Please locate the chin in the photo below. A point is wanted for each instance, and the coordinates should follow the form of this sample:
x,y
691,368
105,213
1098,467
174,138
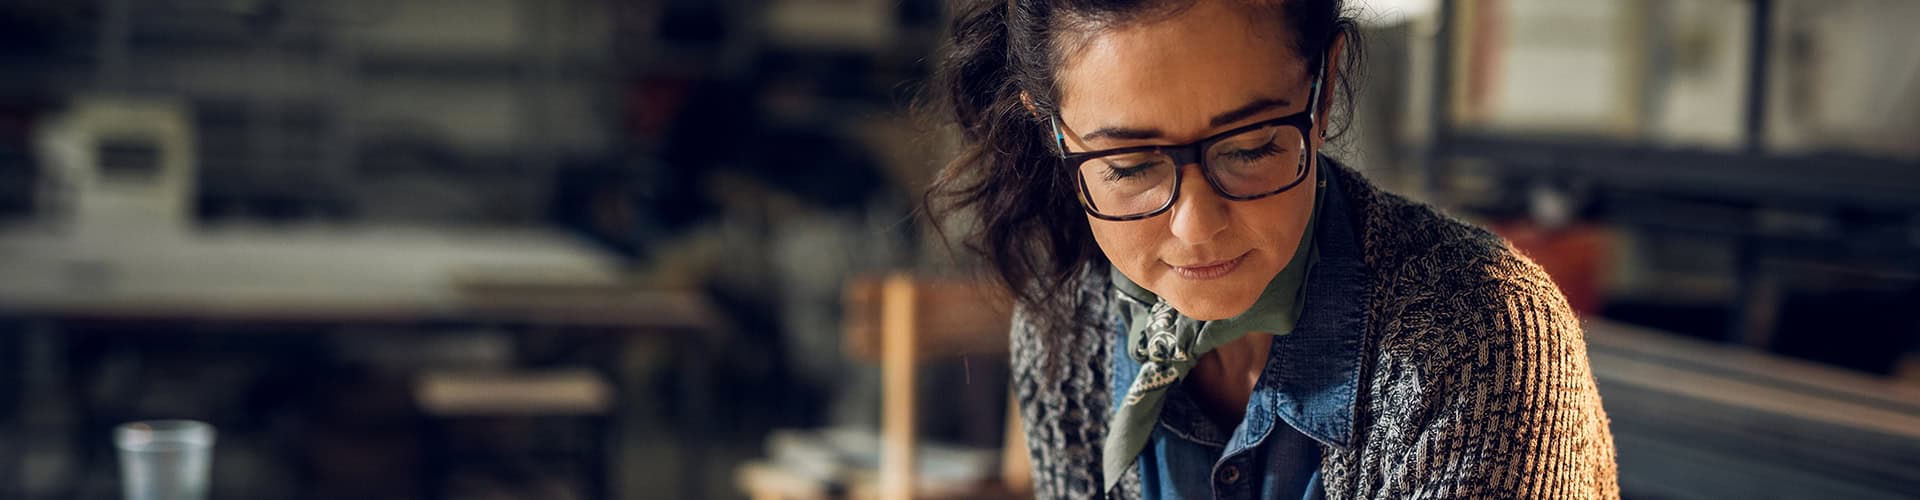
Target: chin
x,y
1209,301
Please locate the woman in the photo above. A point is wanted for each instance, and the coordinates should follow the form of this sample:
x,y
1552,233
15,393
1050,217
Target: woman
x,y
1207,307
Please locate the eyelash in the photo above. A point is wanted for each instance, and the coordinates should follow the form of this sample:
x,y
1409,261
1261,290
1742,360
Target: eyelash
x,y
1118,173
1263,151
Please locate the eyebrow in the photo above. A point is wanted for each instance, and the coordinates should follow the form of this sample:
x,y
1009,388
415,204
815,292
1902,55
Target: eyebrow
x,y
1255,107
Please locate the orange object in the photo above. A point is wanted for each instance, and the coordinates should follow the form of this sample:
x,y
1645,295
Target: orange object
x,y
1576,256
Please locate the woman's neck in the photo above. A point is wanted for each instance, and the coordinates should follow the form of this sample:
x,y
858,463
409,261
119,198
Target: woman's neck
x,y
1223,380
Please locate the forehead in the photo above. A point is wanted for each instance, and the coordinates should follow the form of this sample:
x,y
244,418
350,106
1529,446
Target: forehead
x,y
1173,73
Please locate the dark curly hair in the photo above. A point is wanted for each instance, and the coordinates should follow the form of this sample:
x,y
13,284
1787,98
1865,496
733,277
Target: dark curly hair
x,y
1028,225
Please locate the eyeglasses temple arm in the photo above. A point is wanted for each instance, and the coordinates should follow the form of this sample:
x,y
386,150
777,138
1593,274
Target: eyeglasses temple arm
x,y
1059,140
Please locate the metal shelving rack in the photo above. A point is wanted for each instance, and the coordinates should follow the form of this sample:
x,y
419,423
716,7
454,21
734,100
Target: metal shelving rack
x,y
1750,179
314,130
1850,209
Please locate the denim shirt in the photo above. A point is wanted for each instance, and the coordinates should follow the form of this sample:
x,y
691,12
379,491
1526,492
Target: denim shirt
x,y
1304,398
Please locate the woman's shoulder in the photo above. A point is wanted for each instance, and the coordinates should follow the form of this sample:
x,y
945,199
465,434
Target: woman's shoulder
x,y
1452,285
1475,345
1402,238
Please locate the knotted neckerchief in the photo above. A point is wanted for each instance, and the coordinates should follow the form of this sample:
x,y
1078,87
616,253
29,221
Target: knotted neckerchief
x,y
1168,345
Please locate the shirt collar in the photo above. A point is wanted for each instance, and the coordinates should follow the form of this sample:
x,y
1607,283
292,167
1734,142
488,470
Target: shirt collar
x,y
1313,375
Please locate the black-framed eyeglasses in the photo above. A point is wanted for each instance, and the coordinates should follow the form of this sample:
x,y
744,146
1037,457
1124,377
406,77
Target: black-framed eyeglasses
x,y
1247,163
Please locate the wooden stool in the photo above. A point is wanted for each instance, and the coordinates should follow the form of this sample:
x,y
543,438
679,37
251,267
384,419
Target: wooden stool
x,y
565,394
902,320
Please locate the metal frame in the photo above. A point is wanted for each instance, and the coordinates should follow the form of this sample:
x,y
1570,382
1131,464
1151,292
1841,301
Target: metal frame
x,y
1748,177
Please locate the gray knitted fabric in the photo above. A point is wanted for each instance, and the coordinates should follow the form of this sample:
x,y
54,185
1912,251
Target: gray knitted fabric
x,y
1475,382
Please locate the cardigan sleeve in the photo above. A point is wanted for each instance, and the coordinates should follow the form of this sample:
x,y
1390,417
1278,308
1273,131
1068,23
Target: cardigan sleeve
x,y
1509,404
1060,380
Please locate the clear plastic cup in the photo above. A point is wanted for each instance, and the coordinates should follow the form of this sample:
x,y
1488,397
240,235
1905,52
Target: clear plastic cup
x,y
164,459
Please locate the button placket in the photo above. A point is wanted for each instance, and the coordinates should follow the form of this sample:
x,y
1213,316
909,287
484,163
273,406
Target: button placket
x,y
1230,475
1230,479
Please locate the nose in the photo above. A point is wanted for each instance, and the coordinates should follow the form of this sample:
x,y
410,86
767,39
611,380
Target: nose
x,y
1200,214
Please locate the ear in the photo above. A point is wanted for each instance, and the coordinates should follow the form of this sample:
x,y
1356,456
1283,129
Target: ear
x,y
1323,117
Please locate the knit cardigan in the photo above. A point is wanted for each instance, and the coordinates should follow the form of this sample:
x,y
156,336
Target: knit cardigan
x,y
1474,374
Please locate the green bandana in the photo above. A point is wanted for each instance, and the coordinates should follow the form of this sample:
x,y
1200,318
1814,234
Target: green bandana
x,y
1168,345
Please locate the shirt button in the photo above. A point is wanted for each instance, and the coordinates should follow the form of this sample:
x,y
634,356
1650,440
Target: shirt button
x,y
1230,474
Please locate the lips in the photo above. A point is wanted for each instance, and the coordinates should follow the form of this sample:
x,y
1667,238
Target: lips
x,y
1209,270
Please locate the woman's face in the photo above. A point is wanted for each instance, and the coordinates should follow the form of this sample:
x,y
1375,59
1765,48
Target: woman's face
x,y
1165,81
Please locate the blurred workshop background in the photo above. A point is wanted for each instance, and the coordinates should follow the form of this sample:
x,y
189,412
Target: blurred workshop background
x,y
560,249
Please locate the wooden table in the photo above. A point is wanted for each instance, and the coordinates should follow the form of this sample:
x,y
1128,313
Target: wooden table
x,y
329,276
1693,419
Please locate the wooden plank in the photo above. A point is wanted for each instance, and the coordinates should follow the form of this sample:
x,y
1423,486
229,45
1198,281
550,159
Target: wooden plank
x,y
1660,467
1742,362
769,481
1755,397
1700,420
956,317
899,317
1016,467
567,392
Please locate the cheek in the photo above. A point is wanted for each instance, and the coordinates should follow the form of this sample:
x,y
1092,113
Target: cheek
x,y
1280,220
1130,245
